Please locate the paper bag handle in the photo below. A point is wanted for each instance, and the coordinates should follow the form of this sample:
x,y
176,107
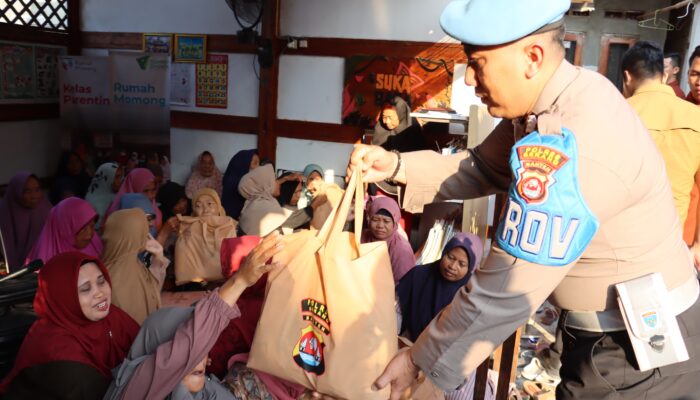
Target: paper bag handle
x,y
336,219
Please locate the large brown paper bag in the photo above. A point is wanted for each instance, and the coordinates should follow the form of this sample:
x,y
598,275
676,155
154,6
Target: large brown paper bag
x,y
198,248
328,321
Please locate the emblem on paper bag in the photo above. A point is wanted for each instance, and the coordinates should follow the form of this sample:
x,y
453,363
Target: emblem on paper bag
x,y
538,164
650,319
308,352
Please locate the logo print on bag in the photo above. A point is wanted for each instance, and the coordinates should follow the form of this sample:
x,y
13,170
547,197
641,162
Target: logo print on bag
x,y
538,163
308,352
317,313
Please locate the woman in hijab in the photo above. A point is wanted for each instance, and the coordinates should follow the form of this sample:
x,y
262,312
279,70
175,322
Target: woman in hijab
x,y
71,178
79,337
103,188
198,246
23,211
383,217
426,289
240,164
394,118
165,362
261,213
172,201
140,201
205,175
139,180
70,227
135,263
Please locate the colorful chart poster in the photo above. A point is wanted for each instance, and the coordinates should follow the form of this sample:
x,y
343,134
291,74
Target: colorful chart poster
x,y
182,77
16,71
212,82
46,69
371,82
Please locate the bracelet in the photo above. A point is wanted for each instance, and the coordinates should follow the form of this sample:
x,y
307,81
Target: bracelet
x,y
398,167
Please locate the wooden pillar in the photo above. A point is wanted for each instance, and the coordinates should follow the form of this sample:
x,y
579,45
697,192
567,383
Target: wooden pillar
x,y
74,35
267,103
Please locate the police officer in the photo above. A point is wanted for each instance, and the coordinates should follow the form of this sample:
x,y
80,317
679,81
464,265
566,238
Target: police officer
x,y
589,206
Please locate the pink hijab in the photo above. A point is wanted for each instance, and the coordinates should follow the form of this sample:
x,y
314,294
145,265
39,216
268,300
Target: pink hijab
x,y
20,226
135,182
400,252
66,219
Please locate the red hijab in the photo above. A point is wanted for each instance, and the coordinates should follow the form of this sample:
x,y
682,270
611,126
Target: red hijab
x,y
62,332
135,182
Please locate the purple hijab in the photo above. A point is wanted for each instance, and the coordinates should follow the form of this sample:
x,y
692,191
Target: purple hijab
x,y
66,219
400,251
20,226
424,292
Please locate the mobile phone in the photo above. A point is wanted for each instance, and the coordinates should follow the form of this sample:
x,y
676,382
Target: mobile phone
x,y
145,258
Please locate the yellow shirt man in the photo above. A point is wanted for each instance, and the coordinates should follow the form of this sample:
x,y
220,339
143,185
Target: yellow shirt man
x,y
674,124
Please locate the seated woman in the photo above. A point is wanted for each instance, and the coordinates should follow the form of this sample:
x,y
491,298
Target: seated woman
x,y
393,119
79,337
70,227
426,289
198,246
261,213
140,201
23,211
164,360
135,263
71,178
103,188
139,180
383,216
289,193
204,175
172,202
240,164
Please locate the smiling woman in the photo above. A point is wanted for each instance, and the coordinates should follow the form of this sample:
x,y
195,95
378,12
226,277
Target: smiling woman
x,y
88,335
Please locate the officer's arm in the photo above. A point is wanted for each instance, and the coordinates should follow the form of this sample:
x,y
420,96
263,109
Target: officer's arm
x,y
475,173
500,297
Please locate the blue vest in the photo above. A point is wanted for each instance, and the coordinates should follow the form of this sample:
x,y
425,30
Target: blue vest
x,y
546,221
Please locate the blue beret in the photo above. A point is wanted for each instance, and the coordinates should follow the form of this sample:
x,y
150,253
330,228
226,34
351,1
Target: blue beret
x,y
494,22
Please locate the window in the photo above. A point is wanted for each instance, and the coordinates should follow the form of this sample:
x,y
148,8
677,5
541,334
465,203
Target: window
x,y
612,48
573,43
43,14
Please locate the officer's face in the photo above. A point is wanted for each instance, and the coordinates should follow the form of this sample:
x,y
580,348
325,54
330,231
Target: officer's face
x,y
507,78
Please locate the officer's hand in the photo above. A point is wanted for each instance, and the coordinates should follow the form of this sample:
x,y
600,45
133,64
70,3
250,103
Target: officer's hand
x,y
375,163
400,374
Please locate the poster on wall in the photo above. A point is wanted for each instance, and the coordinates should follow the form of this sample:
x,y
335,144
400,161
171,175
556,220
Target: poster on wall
x,y
182,84
212,82
124,92
46,69
84,95
371,82
140,92
16,71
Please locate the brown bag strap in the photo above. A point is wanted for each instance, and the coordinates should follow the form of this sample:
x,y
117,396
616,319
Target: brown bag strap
x,y
337,218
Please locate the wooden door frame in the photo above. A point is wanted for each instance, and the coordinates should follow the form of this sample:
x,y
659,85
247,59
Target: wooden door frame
x,y
579,38
605,41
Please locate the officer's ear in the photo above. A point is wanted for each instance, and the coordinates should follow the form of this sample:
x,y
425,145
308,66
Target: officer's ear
x,y
534,52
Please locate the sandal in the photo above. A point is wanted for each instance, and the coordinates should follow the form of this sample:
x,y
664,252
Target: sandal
x,y
538,390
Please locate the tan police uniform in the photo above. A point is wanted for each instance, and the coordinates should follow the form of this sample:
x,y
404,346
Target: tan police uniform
x,y
622,179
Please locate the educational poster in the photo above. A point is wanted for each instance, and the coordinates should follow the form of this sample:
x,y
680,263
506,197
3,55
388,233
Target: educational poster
x,y
182,84
212,82
16,71
140,92
124,92
84,92
46,69
371,82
